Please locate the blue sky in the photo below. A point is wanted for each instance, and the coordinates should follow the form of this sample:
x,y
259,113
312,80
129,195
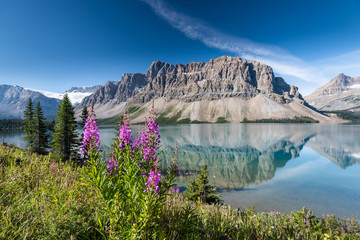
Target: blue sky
x,y
54,45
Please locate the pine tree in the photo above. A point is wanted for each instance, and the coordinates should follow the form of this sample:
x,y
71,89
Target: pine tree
x,y
51,127
64,141
29,125
83,117
40,131
199,189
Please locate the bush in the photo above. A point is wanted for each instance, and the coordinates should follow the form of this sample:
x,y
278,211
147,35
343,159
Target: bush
x,y
199,189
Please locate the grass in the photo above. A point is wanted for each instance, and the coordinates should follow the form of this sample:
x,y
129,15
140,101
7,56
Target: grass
x,y
163,120
41,198
168,120
302,119
108,121
133,110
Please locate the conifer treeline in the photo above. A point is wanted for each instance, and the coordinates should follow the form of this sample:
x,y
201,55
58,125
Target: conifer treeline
x,y
10,124
60,135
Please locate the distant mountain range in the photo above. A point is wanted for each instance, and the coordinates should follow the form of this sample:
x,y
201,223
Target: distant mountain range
x,y
229,89
13,99
341,93
226,88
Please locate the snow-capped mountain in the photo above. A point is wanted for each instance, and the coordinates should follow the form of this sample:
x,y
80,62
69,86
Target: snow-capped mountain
x,y
13,101
341,93
75,94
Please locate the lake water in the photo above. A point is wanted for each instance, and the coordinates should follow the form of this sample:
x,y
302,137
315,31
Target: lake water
x,y
279,167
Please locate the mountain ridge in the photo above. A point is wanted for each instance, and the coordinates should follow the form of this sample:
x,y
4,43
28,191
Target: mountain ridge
x,y
340,93
13,101
226,87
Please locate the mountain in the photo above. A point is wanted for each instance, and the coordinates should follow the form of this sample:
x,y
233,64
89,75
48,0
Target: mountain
x,y
227,88
75,94
13,101
341,93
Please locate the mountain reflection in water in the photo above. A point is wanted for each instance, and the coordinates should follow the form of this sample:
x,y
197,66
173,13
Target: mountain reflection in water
x,y
241,154
236,154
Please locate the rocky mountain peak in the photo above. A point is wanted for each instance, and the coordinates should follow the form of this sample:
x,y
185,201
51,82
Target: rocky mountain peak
x,y
222,77
158,68
225,87
341,93
340,80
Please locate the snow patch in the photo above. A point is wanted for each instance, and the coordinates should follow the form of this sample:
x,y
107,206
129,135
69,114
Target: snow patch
x,y
77,97
356,155
355,86
74,96
48,94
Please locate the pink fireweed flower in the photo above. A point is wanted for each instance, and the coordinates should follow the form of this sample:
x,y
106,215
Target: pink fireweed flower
x,y
91,133
150,139
153,182
112,166
125,137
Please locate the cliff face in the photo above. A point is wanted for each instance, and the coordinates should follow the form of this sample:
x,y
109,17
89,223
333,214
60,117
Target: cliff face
x,y
225,77
226,87
117,92
341,93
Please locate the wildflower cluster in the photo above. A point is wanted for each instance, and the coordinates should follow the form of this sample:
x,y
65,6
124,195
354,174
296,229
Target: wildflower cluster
x,y
131,170
125,137
148,143
91,133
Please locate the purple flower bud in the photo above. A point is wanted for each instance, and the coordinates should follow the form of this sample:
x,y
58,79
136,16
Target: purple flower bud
x,y
173,165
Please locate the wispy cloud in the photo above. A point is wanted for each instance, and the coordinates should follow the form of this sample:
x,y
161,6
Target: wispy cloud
x,y
348,63
281,61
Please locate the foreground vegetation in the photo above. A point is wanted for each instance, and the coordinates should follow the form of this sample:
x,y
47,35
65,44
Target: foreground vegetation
x,y
62,195
44,198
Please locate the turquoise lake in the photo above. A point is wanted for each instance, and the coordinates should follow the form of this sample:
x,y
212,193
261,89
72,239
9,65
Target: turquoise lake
x,y
280,167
